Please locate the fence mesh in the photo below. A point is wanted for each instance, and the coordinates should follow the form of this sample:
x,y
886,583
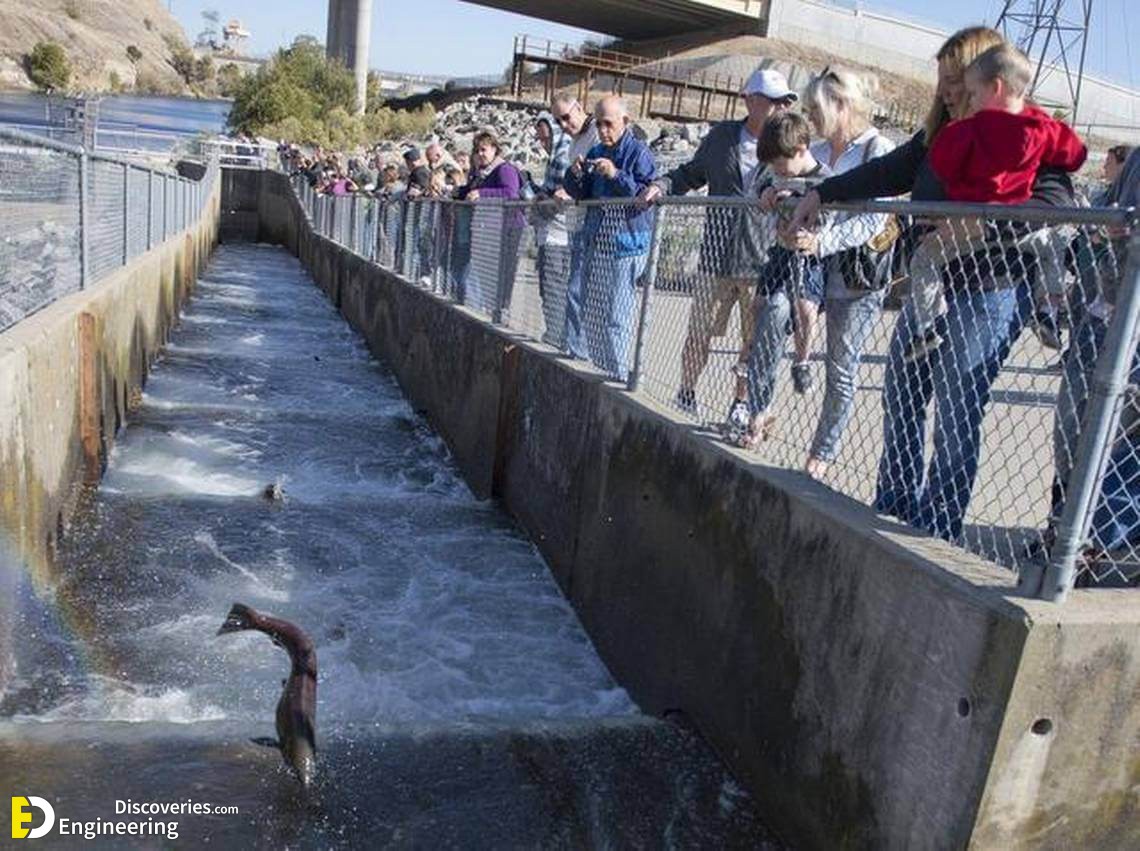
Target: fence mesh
x,y
138,211
937,367
39,229
105,201
42,229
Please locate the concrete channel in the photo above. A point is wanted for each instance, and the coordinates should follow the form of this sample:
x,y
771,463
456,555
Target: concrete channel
x,y
869,687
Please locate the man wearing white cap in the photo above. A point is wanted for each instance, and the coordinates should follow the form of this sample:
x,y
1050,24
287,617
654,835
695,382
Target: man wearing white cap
x,y
731,255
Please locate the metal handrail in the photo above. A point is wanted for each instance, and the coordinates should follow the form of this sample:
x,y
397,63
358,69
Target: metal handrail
x,y
1104,216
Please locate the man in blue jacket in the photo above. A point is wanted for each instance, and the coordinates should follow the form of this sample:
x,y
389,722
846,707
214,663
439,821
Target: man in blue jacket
x,y
614,241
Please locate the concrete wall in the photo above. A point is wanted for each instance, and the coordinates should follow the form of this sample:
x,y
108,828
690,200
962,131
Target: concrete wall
x,y
873,688
68,375
908,47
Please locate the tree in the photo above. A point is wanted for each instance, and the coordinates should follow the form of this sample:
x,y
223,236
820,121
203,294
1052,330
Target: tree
x,y
48,67
203,70
182,60
302,95
299,82
133,54
229,76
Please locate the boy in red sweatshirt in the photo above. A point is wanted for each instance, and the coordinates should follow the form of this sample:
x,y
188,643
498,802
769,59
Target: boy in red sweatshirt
x,y
990,157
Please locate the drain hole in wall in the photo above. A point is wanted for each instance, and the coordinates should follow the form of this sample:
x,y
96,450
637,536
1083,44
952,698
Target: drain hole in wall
x,y
1042,727
963,707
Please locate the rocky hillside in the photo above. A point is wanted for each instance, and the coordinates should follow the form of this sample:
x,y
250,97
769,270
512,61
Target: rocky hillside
x,y
95,34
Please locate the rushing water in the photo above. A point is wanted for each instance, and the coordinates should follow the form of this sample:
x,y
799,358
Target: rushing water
x,y
460,701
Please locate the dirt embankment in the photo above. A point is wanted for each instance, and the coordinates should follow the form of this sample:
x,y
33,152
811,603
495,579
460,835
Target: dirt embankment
x,y
95,34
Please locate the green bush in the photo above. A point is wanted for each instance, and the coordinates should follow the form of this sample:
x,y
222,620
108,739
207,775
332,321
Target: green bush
x,y
301,95
48,67
229,76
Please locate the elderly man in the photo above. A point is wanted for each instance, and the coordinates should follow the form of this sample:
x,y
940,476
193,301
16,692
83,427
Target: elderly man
x,y
731,253
579,128
434,154
614,239
551,236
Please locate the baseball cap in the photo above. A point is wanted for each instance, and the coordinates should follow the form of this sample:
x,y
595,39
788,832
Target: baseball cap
x,y
770,83
412,154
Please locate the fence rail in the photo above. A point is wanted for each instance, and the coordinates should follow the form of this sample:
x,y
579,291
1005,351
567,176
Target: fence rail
x,y
977,378
68,217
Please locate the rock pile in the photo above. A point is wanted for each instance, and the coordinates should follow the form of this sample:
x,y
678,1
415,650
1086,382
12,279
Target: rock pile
x,y
513,124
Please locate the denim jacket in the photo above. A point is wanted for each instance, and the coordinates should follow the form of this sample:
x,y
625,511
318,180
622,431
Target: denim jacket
x,y
635,171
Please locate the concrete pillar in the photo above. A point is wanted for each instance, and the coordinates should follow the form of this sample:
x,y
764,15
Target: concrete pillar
x,y
347,39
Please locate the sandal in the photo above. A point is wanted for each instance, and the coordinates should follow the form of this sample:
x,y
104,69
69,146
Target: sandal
x,y
760,431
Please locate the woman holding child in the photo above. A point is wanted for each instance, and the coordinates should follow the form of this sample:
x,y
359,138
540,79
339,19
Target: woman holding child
x,y
984,307
838,104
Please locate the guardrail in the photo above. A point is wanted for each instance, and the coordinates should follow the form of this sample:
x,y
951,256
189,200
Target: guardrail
x,y
994,439
68,217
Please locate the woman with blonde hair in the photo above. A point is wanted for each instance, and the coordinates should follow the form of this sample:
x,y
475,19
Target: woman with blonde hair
x,y
838,104
987,302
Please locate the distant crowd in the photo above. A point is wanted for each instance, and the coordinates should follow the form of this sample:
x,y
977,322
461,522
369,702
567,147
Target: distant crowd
x,y
787,267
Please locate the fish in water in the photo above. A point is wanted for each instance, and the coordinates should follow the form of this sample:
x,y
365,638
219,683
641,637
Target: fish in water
x,y
297,708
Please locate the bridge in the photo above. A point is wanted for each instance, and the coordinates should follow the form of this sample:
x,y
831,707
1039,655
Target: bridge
x,y
638,18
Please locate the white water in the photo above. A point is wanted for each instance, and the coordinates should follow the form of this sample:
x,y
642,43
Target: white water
x,y
425,604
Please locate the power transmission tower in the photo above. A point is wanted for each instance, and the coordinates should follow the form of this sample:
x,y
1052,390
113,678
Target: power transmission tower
x,y
1052,33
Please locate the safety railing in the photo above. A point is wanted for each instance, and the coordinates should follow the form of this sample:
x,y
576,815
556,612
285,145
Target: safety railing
x,y
970,372
234,153
69,217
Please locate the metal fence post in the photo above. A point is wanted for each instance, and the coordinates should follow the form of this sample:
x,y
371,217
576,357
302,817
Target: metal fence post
x,y
1102,417
436,253
126,212
149,210
352,225
84,258
498,309
402,243
650,279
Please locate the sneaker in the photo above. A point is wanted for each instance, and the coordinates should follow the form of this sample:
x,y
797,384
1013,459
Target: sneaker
x,y
737,423
686,401
1047,330
920,347
801,377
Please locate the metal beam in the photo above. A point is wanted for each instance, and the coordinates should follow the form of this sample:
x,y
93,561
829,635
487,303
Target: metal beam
x,y
636,18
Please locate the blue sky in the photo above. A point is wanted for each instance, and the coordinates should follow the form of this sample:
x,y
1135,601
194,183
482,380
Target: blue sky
x,y
455,38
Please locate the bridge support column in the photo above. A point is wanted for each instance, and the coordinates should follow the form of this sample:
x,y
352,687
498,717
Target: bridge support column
x,y
347,39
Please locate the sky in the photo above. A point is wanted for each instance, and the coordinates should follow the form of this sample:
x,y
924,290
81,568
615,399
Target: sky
x,y
453,38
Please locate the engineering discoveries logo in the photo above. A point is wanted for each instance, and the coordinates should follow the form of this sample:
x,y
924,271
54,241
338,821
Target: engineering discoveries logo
x,y
23,810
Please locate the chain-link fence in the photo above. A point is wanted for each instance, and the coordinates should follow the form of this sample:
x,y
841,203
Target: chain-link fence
x,y
67,217
970,373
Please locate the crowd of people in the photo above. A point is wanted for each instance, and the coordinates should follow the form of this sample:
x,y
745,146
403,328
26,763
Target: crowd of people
x,y
788,267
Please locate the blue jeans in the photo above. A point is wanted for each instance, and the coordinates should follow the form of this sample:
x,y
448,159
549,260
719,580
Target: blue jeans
x,y
849,324
574,335
978,330
1116,517
553,266
600,306
769,339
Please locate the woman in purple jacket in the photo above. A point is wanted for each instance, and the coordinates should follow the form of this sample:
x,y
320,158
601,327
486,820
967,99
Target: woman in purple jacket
x,y
501,181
